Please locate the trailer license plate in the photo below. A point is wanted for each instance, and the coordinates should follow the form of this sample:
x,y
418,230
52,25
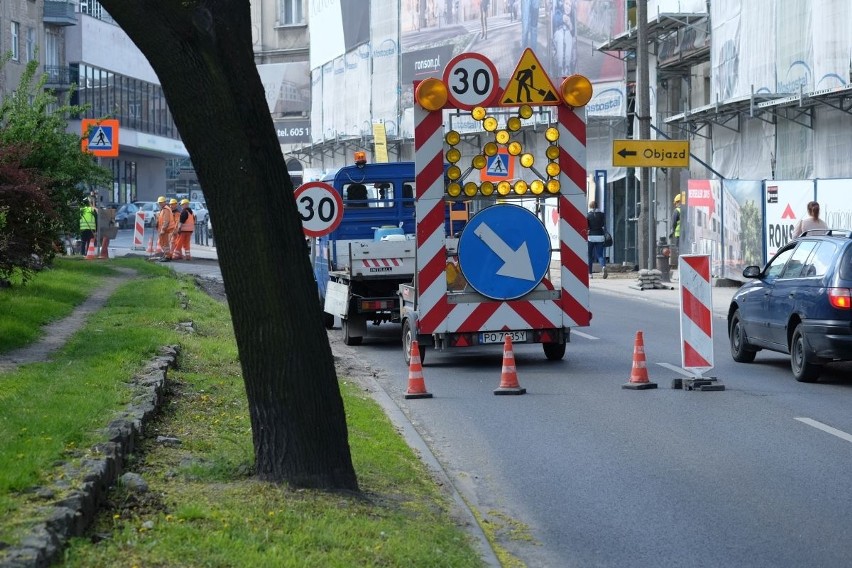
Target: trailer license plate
x,y
500,336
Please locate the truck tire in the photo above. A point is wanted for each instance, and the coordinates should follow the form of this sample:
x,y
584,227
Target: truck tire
x,y
554,351
349,339
407,337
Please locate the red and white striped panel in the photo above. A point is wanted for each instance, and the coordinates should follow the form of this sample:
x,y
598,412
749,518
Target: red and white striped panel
x,y
381,262
696,313
139,231
436,314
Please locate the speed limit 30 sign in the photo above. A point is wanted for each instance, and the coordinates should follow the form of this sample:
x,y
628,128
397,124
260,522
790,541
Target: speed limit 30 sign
x,y
320,207
471,80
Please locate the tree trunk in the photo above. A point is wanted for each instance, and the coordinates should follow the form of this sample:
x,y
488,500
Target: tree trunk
x,y
202,54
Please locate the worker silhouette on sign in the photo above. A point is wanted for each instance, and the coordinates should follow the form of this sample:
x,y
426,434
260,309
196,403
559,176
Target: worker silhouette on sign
x,y
525,83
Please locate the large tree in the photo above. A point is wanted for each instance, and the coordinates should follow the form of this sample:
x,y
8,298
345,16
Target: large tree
x,y
202,53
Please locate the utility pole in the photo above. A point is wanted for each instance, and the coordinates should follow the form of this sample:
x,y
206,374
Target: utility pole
x,y
643,111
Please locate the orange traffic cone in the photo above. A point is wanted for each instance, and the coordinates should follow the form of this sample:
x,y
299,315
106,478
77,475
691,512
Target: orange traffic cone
x,y
639,373
416,386
104,248
509,376
150,249
90,253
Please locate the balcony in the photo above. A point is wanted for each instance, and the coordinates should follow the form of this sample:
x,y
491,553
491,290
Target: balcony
x,y
59,13
58,77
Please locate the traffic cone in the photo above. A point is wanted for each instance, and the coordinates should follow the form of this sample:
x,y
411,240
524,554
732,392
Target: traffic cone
x,y
104,248
416,386
509,376
150,249
639,373
90,252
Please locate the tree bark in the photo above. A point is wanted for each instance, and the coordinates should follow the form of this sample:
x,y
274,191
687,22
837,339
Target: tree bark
x,y
202,54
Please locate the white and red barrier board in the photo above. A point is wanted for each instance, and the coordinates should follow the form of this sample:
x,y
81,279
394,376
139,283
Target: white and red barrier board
x,y
696,313
139,231
437,314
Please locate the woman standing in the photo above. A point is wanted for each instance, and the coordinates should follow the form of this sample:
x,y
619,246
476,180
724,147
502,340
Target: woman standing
x,y
812,221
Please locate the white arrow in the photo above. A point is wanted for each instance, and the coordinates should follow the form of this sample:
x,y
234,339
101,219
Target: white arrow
x,y
516,263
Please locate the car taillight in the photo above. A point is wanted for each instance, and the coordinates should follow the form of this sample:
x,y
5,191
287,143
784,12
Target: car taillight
x,y
840,298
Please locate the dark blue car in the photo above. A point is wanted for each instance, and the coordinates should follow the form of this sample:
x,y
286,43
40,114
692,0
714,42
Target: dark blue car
x,y
800,303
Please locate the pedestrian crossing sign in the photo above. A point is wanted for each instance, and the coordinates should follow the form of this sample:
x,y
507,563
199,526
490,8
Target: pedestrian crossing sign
x,y
100,137
529,84
499,167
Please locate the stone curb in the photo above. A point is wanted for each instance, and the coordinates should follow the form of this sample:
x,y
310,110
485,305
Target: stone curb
x,y
86,480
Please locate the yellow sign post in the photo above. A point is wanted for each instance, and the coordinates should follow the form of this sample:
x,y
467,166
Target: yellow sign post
x,y
650,153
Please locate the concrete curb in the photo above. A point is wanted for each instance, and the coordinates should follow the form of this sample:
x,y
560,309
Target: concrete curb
x,y
87,478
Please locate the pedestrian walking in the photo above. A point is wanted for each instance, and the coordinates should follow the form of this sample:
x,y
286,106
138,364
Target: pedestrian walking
x,y
88,224
165,228
811,222
596,236
185,228
483,18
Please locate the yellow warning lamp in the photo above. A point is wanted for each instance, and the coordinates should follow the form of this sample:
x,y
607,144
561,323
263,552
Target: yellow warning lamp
x,y
553,186
527,160
360,158
453,155
487,188
470,189
431,94
490,148
513,124
537,187
452,138
552,152
525,111
454,189
479,162
504,187
489,124
552,134
553,169
521,187
478,113
454,172
515,148
502,136
576,91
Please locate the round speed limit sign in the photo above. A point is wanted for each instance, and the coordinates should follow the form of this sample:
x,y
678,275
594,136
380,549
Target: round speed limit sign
x,y
320,207
471,80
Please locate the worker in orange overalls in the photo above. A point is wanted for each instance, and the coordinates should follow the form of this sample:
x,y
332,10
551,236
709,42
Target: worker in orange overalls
x,y
185,228
165,228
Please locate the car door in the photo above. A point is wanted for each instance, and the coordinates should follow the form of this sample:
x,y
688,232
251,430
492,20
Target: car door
x,y
787,291
755,310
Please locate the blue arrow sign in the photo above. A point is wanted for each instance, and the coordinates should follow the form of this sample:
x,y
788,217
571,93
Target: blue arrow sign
x,y
504,252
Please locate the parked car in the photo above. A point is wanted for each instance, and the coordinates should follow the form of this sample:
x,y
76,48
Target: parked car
x,y
125,217
150,209
200,210
800,304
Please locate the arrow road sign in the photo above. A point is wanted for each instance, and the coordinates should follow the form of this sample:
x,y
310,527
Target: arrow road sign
x,y
650,153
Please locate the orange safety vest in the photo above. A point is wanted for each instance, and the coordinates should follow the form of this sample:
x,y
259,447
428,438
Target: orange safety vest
x,y
165,220
188,226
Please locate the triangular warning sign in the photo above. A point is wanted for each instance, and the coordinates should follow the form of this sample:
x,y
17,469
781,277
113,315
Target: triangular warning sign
x,y
529,84
498,165
101,138
788,213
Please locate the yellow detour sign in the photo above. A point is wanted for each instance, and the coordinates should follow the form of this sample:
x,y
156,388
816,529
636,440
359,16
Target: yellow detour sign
x,y
529,84
650,153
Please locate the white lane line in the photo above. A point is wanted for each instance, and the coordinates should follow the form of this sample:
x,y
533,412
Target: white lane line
x,y
584,335
825,428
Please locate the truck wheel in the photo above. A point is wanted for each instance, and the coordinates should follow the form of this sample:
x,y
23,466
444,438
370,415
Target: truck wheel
x,y
348,339
554,351
407,337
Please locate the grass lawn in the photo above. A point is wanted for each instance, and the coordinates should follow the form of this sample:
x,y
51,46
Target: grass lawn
x,y
203,507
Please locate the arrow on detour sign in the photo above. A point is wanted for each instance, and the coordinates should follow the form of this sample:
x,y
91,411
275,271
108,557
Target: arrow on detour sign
x,y
650,153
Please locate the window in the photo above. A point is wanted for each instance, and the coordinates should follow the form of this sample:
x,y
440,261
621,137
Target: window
x,y
290,13
16,31
797,261
31,43
821,260
51,49
776,265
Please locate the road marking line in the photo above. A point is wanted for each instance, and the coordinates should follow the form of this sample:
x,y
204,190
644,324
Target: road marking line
x,y
825,428
584,335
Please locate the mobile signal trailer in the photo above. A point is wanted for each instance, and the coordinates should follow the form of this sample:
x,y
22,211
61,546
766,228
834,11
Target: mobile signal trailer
x,y
493,279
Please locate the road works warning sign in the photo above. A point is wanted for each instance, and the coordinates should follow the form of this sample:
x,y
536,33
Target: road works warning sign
x,y
529,84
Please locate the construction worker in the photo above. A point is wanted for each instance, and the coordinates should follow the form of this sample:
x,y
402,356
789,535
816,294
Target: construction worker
x,y
186,225
88,225
675,233
165,228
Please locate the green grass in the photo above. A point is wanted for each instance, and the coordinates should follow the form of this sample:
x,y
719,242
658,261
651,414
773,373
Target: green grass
x,y
204,508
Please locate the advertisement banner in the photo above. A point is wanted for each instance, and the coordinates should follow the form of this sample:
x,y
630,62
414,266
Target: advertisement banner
x,y
785,202
335,27
742,227
287,87
834,203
